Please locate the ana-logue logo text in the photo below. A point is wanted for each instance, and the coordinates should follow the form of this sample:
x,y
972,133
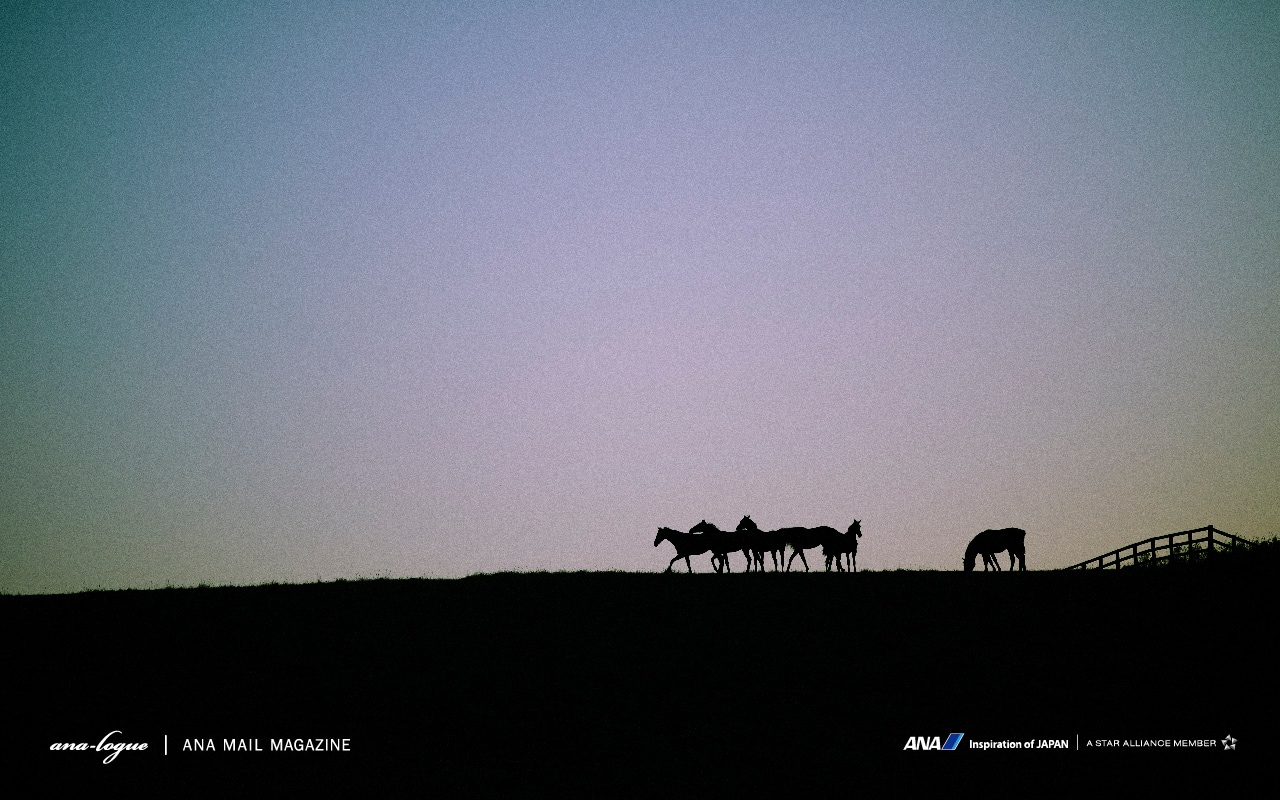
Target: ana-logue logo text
x,y
113,748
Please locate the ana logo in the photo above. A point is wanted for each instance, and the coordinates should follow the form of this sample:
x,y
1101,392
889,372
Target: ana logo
x,y
933,742
113,748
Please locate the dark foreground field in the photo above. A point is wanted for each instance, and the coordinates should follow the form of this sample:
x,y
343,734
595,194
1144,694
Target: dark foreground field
x,y
642,682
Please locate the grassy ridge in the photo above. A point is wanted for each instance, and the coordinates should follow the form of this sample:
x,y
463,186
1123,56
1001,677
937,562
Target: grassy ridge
x,y
637,679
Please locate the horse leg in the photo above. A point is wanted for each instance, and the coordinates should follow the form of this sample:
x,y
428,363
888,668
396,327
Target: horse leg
x,y
804,561
791,560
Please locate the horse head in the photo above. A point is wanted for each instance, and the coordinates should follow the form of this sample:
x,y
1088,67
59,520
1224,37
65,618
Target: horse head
x,y
663,533
856,528
747,524
704,527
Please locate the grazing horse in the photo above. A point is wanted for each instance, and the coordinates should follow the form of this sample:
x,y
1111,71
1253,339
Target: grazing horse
x,y
845,544
686,544
722,543
990,542
802,539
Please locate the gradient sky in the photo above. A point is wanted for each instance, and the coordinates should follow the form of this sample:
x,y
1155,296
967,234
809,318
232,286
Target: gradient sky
x,y
310,290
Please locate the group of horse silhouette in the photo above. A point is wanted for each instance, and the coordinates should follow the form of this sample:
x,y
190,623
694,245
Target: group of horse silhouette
x,y
753,543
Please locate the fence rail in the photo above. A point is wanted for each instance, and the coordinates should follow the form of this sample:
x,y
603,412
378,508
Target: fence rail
x,y
1192,544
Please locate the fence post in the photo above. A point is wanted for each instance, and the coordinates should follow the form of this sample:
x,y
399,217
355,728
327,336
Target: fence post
x,y
1210,540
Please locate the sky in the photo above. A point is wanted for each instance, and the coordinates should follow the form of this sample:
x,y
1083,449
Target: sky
x,y
300,291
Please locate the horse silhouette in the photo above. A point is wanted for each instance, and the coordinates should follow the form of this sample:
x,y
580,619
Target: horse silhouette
x,y
752,540
686,544
722,543
990,542
802,539
761,542
846,544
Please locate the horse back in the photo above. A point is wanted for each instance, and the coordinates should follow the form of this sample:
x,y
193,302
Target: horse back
x,y
689,544
726,541
806,538
995,540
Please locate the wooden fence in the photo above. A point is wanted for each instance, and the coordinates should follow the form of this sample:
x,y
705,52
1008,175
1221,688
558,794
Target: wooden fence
x,y
1185,545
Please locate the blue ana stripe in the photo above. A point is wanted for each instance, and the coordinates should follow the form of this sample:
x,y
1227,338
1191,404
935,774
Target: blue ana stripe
x,y
953,741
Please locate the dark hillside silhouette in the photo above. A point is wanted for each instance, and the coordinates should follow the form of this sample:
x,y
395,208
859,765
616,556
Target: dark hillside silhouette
x,y
621,684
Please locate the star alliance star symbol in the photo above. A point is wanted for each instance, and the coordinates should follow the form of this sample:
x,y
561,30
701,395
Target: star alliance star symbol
x,y
1228,743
